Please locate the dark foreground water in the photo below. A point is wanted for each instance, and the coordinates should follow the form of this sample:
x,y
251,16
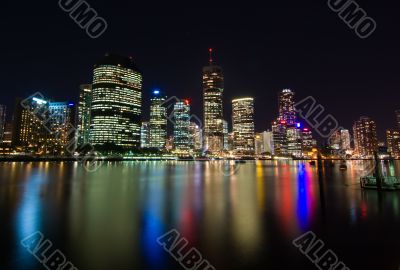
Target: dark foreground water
x,y
111,218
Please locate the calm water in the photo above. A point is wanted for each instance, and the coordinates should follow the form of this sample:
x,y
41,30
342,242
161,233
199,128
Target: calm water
x,y
111,218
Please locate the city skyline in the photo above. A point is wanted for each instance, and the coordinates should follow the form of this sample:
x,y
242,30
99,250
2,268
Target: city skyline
x,y
331,63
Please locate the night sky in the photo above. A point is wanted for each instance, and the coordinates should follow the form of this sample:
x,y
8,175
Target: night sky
x,y
302,45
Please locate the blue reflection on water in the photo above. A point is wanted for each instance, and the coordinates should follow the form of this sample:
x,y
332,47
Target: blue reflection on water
x,y
303,200
152,228
27,220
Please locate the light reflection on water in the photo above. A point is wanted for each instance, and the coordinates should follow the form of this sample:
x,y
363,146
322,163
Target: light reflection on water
x,y
110,219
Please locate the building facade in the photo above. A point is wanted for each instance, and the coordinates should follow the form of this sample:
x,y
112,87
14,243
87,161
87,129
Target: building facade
x,y
84,109
213,88
393,142
264,143
182,138
116,103
243,126
145,135
287,110
365,137
279,138
158,120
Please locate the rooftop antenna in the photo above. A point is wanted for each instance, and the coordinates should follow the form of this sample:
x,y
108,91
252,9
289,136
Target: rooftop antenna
x,y
211,60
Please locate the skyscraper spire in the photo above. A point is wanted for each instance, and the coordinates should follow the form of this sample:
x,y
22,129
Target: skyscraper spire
x,y
211,60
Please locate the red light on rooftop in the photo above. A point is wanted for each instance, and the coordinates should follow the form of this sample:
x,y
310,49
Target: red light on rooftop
x,y
210,50
306,129
283,122
187,101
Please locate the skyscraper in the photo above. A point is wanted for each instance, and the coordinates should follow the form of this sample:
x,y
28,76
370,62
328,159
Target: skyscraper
x,y
294,140
279,138
84,108
393,142
158,120
2,121
365,137
181,127
213,88
117,102
307,142
145,135
243,125
29,133
287,111
62,122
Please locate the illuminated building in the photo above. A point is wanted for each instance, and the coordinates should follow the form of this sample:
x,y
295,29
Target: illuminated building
x,y
182,136
243,126
116,103
226,135
365,137
7,139
29,133
145,135
287,110
158,121
393,142
294,140
264,143
84,107
213,88
2,121
62,122
307,142
340,141
196,136
279,138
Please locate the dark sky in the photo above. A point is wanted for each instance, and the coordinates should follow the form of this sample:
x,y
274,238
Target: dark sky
x,y
301,45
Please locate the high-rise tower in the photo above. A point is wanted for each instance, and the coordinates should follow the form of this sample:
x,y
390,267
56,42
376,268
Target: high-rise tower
x,y
117,102
243,125
84,106
287,110
365,137
213,88
158,121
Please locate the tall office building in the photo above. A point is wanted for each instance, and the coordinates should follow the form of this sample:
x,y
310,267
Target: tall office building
x,y
243,125
29,134
158,120
287,110
213,88
294,140
84,109
145,135
365,137
307,142
393,142
62,122
182,126
116,103
196,136
2,121
279,138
